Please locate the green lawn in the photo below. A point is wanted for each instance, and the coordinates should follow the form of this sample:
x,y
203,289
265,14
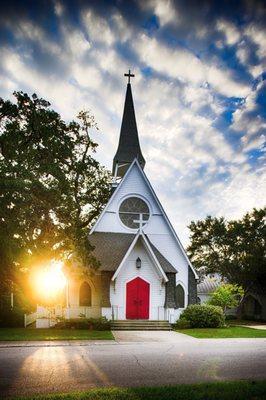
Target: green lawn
x,y
230,332
53,334
206,391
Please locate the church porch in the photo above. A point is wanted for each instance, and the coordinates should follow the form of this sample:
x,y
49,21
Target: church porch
x,y
83,297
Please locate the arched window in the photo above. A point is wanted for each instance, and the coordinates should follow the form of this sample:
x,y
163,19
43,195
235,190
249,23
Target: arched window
x,y
85,295
134,209
180,296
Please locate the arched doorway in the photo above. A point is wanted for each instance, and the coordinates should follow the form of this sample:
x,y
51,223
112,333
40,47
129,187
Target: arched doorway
x,y
137,299
85,295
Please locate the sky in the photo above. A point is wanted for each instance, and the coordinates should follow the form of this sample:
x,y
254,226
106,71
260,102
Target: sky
x,y
199,89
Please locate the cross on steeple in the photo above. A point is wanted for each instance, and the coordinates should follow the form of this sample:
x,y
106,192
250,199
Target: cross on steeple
x,y
129,75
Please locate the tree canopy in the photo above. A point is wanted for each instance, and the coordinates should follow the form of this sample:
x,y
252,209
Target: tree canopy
x,y
51,186
226,296
235,249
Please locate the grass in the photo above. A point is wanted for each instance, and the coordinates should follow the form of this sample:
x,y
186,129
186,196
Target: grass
x,y
205,391
228,332
13,334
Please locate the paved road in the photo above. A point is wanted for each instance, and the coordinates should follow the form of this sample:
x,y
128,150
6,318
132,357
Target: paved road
x,y
134,359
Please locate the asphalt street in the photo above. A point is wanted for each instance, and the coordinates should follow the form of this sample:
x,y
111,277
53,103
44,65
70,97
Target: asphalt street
x,y
134,359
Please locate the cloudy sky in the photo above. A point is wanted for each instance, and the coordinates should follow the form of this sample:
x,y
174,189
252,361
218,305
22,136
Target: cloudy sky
x,y
199,89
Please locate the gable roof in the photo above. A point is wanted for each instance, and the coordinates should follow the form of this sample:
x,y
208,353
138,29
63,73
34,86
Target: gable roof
x,y
167,266
209,284
111,248
141,236
135,162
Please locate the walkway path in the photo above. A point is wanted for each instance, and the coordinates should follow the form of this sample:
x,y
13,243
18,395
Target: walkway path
x,y
151,336
260,327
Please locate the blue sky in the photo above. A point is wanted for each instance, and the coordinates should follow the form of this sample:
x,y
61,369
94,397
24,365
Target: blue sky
x,y
199,89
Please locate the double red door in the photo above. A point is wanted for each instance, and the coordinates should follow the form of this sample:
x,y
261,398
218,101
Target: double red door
x,y
137,299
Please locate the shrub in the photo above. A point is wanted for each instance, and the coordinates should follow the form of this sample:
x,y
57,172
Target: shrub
x,y
98,324
226,296
203,316
181,324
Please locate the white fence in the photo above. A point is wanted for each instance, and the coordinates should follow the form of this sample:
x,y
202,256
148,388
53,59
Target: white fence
x,y
79,311
29,319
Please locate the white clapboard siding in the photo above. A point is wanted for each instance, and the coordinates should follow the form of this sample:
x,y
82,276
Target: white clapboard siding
x,y
149,273
157,228
133,185
167,245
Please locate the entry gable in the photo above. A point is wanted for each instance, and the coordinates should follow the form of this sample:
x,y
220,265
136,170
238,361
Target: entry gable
x,y
148,248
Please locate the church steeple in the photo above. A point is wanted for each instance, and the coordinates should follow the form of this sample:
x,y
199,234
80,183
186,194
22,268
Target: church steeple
x,y
128,147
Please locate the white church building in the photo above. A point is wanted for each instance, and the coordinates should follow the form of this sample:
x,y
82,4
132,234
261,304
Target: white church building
x,y
144,271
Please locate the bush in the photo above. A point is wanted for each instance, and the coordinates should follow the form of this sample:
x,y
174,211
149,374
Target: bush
x,y
181,324
226,296
97,324
203,316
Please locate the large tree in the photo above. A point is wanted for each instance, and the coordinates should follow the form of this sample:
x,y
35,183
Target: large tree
x,y
235,249
51,186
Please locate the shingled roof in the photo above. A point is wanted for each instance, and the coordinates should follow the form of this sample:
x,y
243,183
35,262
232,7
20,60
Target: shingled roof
x,y
209,284
128,147
110,249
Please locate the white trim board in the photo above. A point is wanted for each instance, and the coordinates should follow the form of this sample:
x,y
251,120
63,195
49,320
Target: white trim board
x,y
150,252
135,162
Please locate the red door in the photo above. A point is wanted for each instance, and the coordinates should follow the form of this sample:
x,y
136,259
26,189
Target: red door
x,y
138,299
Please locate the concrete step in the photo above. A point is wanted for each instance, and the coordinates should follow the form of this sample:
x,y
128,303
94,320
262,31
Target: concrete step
x,y
141,328
141,325
137,321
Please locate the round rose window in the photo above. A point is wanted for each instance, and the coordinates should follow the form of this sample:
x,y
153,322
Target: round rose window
x,y
134,212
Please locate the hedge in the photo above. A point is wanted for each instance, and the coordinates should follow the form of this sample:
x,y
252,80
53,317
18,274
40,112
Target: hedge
x,y
203,316
97,324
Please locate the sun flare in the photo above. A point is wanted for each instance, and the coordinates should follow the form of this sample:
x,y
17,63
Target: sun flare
x,y
50,281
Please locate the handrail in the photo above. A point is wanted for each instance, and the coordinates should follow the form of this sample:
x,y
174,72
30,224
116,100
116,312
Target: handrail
x,y
29,319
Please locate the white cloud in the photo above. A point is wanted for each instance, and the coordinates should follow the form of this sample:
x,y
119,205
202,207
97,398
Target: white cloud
x,y
59,8
165,10
258,36
198,97
97,28
246,119
24,29
243,53
232,34
185,66
256,143
76,42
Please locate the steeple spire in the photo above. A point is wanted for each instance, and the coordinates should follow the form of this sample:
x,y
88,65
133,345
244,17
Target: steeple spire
x,y
128,147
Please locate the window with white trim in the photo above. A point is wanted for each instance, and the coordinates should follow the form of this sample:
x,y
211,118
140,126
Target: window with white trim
x,y
134,212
